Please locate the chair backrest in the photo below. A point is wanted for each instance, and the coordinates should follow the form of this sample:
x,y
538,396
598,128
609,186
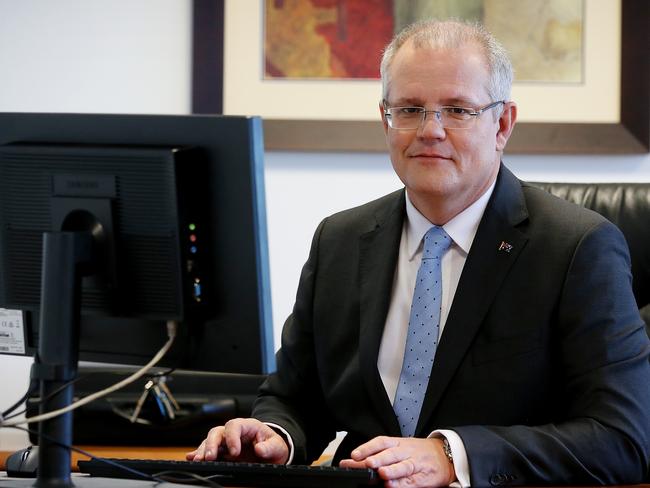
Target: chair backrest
x,y
628,206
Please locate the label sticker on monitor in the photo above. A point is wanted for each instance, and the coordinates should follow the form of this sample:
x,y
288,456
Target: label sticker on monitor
x,y
12,336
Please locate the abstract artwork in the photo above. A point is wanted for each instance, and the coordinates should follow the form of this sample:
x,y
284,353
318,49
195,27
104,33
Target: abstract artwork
x,y
343,39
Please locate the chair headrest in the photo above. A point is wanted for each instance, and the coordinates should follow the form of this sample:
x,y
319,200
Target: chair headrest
x,y
628,206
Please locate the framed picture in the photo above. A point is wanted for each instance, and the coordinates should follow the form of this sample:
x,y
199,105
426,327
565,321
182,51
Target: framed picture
x,y
240,28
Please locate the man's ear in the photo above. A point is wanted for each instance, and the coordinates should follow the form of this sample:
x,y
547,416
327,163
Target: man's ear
x,y
506,124
383,117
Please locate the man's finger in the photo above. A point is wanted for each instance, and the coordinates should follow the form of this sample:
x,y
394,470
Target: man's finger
x,y
234,432
267,449
196,454
373,446
211,444
271,446
401,469
351,463
387,457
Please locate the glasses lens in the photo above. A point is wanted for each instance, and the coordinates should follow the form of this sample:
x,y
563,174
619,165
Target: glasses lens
x,y
406,117
456,113
450,122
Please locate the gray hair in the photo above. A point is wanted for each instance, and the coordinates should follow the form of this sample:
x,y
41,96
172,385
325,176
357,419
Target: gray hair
x,y
452,34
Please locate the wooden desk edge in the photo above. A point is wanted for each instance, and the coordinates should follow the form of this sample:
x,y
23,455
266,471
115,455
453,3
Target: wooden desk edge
x,y
129,452
151,452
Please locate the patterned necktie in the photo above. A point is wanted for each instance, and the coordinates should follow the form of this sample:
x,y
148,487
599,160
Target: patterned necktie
x,y
423,332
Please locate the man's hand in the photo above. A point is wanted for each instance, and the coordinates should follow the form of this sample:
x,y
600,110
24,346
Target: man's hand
x,y
242,440
404,462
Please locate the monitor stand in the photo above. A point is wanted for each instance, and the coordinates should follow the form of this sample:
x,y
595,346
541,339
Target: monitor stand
x,y
67,257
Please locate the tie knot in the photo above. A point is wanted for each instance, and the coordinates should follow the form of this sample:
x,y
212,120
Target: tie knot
x,y
436,242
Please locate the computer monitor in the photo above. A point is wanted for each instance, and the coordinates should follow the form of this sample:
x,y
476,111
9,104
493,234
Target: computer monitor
x,y
140,177
152,218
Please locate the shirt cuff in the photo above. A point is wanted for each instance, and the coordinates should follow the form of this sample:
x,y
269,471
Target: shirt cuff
x,y
287,438
461,464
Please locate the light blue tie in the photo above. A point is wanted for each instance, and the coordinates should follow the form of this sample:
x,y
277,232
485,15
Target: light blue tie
x,y
423,332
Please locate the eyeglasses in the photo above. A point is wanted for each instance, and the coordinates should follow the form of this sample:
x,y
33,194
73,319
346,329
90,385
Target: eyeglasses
x,y
449,116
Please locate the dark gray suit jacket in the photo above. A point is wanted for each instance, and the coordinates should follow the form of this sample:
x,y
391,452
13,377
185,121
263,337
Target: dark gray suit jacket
x,y
542,368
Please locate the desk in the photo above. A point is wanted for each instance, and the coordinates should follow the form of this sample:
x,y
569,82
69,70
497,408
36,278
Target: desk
x,y
174,453
151,452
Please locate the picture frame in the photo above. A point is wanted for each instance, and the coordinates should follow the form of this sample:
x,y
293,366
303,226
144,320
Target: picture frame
x,y
630,135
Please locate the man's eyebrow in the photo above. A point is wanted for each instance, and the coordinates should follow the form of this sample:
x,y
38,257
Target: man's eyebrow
x,y
460,102
407,102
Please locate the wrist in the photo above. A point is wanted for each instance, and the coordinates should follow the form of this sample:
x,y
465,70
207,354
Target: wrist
x,y
446,448
449,457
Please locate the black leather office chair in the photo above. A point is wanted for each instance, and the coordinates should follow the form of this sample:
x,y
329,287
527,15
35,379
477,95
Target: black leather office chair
x,y
628,206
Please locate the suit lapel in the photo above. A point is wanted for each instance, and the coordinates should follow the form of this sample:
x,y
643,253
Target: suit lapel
x,y
378,251
494,250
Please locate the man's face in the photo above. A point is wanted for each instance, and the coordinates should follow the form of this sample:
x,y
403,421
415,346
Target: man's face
x,y
444,167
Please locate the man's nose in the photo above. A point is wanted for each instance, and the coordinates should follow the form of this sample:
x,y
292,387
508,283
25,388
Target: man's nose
x,y
431,127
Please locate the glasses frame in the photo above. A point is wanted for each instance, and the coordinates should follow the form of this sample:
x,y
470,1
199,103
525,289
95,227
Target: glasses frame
x,y
474,113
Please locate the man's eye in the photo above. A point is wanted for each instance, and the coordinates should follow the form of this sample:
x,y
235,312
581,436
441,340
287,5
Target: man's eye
x,y
456,110
409,110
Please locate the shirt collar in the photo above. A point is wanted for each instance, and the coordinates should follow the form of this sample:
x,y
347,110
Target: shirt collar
x,y
462,228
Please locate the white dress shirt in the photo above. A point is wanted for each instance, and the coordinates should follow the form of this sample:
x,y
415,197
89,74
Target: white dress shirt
x,y
462,229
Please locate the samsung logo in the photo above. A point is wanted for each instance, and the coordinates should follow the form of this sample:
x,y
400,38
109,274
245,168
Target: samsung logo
x,y
82,184
97,186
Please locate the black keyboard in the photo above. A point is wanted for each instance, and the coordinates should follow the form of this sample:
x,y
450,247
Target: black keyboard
x,y
234,474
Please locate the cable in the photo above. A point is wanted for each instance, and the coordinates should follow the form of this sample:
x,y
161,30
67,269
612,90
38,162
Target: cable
x,y
33,384
171,334
187,478
91,456
40,400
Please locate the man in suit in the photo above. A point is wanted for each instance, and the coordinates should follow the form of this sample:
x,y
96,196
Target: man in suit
x,y
537,371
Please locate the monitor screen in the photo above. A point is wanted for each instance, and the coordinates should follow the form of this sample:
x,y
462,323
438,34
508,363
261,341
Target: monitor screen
x,y
175,206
